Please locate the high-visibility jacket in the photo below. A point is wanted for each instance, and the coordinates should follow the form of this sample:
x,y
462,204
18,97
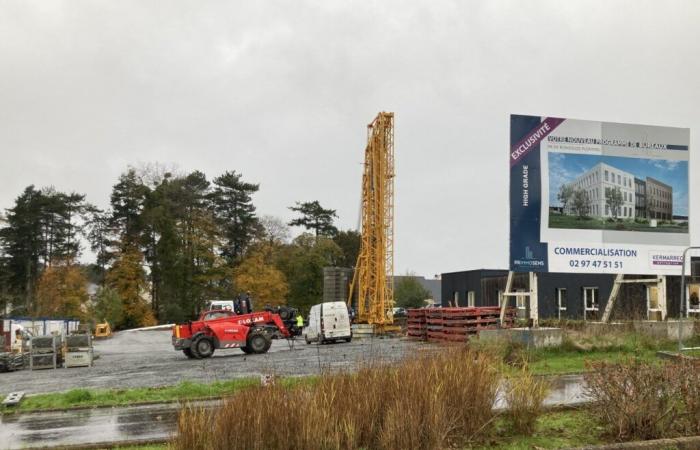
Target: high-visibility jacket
x,y
300,321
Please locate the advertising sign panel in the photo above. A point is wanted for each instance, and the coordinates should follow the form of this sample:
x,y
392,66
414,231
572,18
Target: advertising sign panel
x,y
597,197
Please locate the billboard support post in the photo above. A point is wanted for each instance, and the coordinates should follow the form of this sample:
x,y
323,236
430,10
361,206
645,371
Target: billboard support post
x,y
613,296
531,294
504,300
661,288
534,311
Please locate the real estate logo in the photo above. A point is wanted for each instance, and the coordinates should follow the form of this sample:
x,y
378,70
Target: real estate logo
x,y
529,259
659,258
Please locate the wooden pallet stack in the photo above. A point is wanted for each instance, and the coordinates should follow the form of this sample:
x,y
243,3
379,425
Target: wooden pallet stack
x,y
456,324
417,324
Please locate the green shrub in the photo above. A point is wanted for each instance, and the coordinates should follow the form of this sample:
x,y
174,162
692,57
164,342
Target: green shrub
x,y
78,396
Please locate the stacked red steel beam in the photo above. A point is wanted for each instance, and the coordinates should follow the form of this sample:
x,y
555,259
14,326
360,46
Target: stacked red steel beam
x,y
416,322
455,324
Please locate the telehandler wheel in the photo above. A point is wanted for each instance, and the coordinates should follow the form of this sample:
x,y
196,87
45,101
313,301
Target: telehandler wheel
x,y
258,341
246,350
188,353
203,347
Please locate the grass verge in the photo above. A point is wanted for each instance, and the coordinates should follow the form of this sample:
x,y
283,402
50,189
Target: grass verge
x,y
579,349
555,429
185,390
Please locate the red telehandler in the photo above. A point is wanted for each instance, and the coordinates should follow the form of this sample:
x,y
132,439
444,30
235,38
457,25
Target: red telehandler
x,y
223,328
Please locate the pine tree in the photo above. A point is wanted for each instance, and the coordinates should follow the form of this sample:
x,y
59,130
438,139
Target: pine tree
x,y
185,267
40,229
99,236
128,198
314,217
235,212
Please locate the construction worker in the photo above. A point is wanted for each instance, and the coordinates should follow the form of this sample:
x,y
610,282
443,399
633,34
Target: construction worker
x,y
249,301
300,323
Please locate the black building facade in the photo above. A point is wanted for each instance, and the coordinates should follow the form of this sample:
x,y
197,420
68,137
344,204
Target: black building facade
x,y
560,295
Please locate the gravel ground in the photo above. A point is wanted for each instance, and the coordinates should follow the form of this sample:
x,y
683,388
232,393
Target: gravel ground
x,y
146,358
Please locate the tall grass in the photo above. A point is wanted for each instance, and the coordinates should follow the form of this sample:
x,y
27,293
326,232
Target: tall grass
x,y
525,396
428,402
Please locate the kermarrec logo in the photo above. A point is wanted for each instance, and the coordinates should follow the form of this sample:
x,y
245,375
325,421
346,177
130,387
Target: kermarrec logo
x,y
528,259
658,259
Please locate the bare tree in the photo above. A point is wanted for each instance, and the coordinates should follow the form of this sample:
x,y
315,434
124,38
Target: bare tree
x,y
274,230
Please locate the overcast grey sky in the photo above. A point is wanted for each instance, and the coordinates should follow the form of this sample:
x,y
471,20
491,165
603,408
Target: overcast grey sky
x,y
282,92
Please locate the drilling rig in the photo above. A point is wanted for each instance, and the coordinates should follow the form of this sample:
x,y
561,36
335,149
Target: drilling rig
x,y
373,280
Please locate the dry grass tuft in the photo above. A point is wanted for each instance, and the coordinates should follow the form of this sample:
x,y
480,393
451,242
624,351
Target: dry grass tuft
x,y
638,400
429,402
525,397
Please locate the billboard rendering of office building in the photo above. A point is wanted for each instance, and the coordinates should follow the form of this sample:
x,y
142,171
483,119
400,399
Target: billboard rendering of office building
x,y
597,197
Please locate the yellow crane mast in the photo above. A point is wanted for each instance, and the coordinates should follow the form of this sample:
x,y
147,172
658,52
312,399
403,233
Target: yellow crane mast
x,y
373,280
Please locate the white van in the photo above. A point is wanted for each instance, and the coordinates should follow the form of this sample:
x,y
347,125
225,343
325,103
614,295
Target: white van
x,y
328,322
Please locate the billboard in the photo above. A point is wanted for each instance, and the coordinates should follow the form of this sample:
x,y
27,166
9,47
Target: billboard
x,y
597,197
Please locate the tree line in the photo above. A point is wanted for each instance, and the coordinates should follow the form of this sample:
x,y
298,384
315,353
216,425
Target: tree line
x,y
166,244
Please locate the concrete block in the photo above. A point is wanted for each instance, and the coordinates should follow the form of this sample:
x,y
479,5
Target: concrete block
x,y
666,330
528,337
494,335
601,328
538,337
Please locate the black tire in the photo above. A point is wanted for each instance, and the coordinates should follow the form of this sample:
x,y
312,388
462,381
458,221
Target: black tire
x,y
257,341
349,339
188,353
246,350
286,313
202,347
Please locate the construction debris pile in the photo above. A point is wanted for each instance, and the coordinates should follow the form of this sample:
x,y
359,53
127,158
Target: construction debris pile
x,y
9,362
455,324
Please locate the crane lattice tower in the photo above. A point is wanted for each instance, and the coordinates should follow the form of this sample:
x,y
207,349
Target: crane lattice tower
x,y
373,280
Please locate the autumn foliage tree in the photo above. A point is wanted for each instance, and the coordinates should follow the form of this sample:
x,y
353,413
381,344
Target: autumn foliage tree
x,y
62,292
266,283
128,279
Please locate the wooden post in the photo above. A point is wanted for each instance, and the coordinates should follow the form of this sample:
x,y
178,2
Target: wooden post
x,y
661,288
611,300
504,302
534,307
